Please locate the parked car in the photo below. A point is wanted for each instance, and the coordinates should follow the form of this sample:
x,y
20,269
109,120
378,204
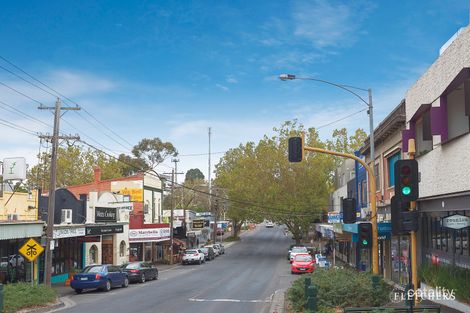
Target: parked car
x,y
302,263
220,247
140,271
297,250
290,249
103,277
209,253
220,232
323,262
216,249
193,256
269,224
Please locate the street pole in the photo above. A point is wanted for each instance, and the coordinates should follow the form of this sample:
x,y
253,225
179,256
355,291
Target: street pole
x,y
171,214
375,231
373,189
414,254
52,186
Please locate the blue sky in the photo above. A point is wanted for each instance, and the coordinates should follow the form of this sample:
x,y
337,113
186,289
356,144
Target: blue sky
x,y
171,69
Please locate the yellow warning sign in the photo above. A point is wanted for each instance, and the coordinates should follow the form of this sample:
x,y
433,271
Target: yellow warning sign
x,y
31,249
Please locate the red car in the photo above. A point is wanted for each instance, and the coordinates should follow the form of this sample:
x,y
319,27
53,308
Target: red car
x,y
302,263
220,232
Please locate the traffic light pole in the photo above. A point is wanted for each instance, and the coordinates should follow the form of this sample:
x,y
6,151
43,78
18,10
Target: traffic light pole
x,y
414,261
373,204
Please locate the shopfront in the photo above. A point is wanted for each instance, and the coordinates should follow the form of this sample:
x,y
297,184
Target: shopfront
x,y
67,256
147,244
103,244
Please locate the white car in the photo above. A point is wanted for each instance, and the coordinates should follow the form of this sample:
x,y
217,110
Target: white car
x,y
269,224
193,256
216,249
322,262
220,246
296,250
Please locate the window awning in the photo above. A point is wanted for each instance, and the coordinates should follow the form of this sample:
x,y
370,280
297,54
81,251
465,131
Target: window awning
x,y
19,230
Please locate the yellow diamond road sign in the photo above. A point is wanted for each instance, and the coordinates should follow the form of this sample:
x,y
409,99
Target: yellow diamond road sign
x,y
31,249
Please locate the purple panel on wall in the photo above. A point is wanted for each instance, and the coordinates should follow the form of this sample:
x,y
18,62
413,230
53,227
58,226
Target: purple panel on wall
x,y
439,119
406,135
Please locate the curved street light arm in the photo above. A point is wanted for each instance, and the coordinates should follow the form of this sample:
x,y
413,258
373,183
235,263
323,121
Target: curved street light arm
x,y
344,87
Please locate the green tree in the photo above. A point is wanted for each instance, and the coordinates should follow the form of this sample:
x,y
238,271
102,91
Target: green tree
x,y
194,174
154,151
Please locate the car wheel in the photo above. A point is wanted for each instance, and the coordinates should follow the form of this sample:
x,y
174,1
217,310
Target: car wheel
x,y
78,291
155,276
142,278
126,282
107,287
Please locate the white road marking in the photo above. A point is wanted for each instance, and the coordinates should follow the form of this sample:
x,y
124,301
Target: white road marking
x,y
229,300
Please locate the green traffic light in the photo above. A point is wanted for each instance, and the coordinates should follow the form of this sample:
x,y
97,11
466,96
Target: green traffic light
x,y
364,242
406,190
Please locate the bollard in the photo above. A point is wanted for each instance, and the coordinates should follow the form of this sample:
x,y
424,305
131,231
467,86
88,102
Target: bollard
x,y
375,289
311,303
1,297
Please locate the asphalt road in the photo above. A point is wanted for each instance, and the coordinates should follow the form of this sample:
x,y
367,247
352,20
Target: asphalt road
x,y
241,281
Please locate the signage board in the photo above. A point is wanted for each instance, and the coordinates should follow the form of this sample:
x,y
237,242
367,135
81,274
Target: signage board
x,y
334,217
68,232
105,215
14,169
198,224
90,239
456,221
31,250
104,230
149,234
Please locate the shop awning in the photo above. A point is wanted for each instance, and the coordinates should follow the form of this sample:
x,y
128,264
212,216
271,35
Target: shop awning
x,y
19,230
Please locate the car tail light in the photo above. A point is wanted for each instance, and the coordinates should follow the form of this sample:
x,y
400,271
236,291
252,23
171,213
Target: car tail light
x,y
134,271
97,277
196,254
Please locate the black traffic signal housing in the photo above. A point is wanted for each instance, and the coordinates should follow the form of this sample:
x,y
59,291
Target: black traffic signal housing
x,y
406,180
296,149
349,210
403,220
364,232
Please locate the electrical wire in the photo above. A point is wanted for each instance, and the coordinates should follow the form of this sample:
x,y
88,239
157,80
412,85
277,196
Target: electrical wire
x,y
21,93
12,109
341,119
17,127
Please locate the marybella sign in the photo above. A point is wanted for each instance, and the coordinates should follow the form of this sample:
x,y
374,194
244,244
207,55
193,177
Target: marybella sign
x,y
456,221
149,234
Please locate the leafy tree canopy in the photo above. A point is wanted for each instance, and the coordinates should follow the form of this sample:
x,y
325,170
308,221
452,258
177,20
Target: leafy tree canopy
x,y
194,174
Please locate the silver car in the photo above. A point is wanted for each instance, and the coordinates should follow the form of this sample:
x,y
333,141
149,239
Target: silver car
x,y
221,247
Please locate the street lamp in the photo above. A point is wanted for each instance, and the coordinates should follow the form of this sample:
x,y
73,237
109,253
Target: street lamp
x,y
349,88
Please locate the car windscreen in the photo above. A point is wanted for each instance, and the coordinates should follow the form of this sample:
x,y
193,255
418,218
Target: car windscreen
x,y
132,266
303,258
299,249
95,269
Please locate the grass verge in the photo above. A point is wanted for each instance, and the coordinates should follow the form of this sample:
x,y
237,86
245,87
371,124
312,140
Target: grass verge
x,y
23,295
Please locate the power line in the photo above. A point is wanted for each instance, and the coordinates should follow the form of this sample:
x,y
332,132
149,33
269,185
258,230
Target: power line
x,y
19,112
200,154
341,119
19,92
17,127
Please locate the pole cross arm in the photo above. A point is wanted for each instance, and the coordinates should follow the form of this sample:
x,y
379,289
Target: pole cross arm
x,y
373,204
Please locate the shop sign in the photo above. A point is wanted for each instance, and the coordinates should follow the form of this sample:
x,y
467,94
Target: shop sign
x,y
198,224
14,169
456,221
335,217
90,239
338,228
149,234
68,232
105,215
104,230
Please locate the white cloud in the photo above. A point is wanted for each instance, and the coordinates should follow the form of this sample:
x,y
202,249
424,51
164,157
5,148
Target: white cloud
x,y
222,87
327,23
231,80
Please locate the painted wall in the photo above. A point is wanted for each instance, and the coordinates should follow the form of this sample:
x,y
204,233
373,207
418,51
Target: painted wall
x,y
23,205
442,169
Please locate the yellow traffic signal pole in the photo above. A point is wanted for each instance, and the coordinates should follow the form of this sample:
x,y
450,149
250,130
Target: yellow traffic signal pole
x,y
414,261
373,204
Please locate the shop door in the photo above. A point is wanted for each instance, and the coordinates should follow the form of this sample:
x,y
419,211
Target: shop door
x,y
107,250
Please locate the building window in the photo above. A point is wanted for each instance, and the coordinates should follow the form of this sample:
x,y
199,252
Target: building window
x,y
93,252
391,168
423,134
458,120
122,248
377,176
146,206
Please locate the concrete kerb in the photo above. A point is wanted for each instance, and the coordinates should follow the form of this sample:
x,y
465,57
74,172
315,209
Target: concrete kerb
x,y
277,301
58,304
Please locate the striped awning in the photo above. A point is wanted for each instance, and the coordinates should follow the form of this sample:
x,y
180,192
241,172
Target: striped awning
x,y
19,230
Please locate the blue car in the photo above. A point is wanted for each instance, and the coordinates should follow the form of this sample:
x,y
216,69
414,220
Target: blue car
x,y
103,277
